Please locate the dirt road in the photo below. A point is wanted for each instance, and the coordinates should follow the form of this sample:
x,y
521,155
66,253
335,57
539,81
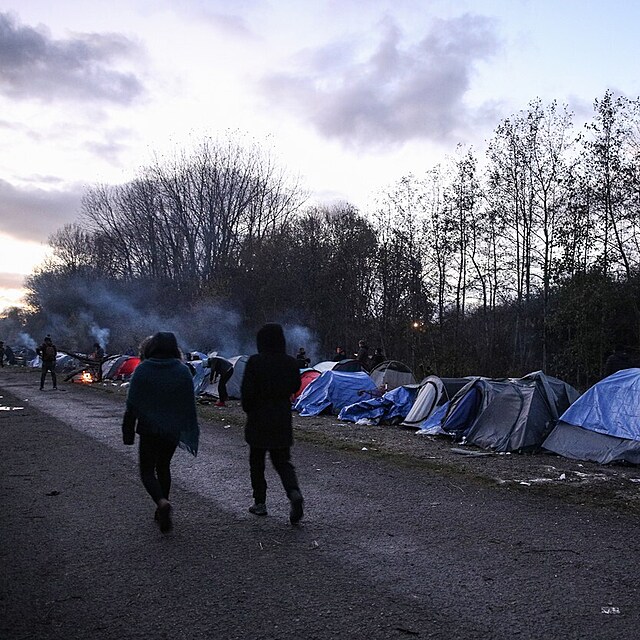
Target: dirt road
x,y
386,550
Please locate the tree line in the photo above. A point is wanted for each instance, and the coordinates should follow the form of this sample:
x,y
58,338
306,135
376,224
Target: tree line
x,y
525,258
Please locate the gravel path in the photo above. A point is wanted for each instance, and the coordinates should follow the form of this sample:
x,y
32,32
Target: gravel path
x,y
393,544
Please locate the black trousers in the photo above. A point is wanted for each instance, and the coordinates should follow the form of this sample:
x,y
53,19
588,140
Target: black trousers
x,y
48,366
281,460
155,465
222,385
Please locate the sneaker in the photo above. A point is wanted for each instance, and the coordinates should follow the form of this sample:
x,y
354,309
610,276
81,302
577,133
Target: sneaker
x,y
164,516
258,509
296,513
220,403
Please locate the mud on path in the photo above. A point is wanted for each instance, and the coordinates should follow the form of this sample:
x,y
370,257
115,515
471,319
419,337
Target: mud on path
x,y
402,537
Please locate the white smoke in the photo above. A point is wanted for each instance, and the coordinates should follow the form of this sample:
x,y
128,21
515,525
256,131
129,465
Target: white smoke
x,y
101,335
25,340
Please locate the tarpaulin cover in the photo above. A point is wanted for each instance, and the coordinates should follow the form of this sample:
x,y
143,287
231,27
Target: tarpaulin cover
x,y
391,408
603,425
307,376
611,407
201,373
333,391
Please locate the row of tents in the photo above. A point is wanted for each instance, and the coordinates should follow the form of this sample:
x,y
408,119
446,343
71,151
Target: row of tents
x,y
528,414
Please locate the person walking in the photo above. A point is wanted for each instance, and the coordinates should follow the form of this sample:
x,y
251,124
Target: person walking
x,y
270,378
48,353
221,370
161,409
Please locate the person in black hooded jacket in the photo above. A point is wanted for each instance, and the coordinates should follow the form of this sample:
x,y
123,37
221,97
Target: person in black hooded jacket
x,y
270,378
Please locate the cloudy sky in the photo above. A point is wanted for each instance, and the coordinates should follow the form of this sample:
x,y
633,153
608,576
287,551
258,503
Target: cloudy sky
x,y
349,94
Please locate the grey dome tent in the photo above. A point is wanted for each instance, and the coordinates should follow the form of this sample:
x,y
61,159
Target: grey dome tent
x,y
507,415
392,374
235,382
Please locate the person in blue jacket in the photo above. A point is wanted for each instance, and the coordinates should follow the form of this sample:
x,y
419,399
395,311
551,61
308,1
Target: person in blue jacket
x,y
161,409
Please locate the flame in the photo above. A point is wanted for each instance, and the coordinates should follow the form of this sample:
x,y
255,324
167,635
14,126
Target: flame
x,y
86,377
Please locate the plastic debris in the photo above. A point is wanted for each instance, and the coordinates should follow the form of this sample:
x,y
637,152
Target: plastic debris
x,y
365,449
473,454
563,476
610,610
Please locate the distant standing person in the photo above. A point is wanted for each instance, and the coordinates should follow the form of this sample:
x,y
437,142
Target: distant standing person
x,y
98,356
270,378
161,409
339,355
618,360
48,353
221,370
363,354
377,358
301,357
98,351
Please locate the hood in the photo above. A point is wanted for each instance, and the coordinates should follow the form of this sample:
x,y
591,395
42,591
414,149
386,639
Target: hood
x,y
270,339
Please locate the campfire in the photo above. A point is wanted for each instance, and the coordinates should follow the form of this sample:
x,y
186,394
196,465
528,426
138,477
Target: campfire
x,y
85,377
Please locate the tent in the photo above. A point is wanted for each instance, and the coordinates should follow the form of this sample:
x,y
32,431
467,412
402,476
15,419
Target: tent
x,y
126,369
235,382
505,415
333,390
111,365
432,393
392,374
200,371
603,425
119,367
391,408
306,377
344,365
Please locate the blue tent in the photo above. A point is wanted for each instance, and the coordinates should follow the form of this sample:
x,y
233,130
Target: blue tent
x,y
200,372
603,425
391,408
332,391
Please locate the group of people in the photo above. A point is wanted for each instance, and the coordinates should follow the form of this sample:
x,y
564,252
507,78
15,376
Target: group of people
x,y
161,410
368,362
6,353
362,355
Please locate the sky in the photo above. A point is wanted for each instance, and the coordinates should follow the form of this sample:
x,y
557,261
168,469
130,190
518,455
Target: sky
x,y
349,95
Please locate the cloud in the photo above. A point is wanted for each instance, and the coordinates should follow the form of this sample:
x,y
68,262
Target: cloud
x,y
392,94
11,280
35,65
34,214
